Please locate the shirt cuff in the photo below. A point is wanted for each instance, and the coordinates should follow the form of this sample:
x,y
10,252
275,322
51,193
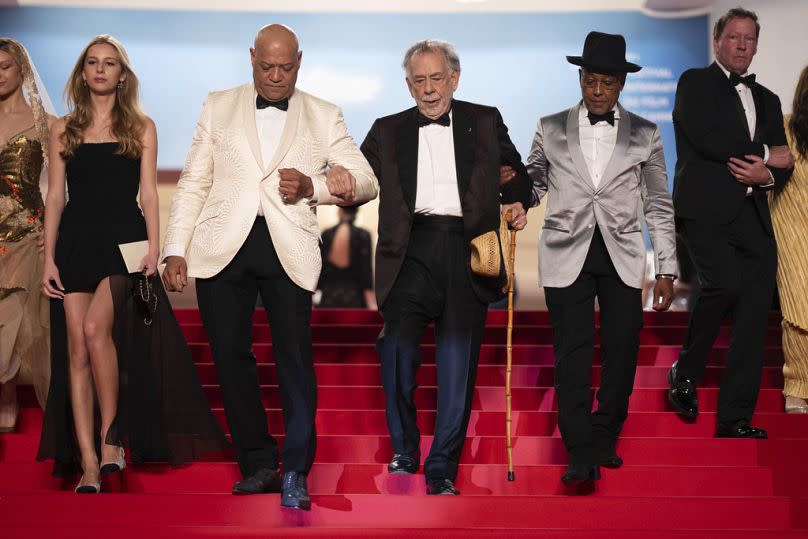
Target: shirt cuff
x,y
767,186
174,249
317,184
765,153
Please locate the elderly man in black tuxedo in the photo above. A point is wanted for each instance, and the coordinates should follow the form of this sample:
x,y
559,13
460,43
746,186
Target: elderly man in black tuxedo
x,y
438,166
731,149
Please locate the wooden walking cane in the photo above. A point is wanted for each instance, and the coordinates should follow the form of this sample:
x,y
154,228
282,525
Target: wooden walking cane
x,y
509,351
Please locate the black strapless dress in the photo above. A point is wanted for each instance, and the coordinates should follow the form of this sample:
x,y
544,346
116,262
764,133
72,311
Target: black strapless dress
x,y
101,212
163,414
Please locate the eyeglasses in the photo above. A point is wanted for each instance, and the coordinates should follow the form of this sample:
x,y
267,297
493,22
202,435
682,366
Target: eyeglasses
x,y
606,84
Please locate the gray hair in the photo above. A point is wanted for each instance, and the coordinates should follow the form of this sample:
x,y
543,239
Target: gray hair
x,y
433,45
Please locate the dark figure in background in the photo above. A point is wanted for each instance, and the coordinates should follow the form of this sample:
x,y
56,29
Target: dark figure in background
x,y
346,281
731,149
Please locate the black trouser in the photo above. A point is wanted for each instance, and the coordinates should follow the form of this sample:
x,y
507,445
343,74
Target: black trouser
x,y
433,285
736,264
572,314
227,303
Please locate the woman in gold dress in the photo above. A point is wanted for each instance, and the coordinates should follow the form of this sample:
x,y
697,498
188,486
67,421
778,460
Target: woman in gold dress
x,y
24,350
789,207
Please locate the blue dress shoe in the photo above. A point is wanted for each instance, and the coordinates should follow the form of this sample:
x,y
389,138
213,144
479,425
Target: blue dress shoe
x,y
263,481
740,429
580,474
441,487
403,463
294,492
682,394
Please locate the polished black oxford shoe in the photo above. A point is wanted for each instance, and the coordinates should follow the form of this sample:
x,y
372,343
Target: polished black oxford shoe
x,y
263,481
403,463
682,394
580,474
740,429
294,492
441,487
610,459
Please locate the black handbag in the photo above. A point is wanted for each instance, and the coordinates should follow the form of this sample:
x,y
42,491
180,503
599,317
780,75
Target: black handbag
x,y
145,298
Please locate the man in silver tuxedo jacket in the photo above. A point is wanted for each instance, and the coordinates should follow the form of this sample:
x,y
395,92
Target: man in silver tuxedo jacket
x,y
601,167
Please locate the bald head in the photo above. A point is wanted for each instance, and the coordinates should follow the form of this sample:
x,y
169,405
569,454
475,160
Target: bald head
x,y
276,33
276,61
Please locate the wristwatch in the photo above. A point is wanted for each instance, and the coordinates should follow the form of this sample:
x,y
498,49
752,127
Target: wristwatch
x,y
669,276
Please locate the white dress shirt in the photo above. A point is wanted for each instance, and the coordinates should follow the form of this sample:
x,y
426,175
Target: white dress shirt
x,y
748,103
437,192
597,142
269,123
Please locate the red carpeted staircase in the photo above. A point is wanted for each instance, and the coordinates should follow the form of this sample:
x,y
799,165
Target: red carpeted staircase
x,y
678,480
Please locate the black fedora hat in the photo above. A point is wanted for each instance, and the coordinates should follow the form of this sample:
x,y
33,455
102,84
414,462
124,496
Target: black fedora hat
x,y
604,53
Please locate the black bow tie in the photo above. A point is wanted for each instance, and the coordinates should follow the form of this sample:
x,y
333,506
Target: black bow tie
x,y
262,103
595,118
736,79
442,120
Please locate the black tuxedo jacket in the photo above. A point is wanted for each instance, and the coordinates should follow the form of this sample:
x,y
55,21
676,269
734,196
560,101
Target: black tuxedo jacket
x,y
711,127
481,145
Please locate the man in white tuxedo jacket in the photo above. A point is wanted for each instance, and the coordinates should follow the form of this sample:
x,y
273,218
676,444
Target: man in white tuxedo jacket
x,y
601,167
243,222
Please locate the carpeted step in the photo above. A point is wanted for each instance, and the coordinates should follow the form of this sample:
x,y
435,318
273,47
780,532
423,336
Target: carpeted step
x,y
373,510
487,375
490,354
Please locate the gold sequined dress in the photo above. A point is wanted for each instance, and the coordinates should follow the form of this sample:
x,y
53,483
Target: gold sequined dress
x,y
24,310
789,208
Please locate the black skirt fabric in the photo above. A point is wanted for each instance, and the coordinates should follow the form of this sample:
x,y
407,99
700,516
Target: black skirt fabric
x,y
163,414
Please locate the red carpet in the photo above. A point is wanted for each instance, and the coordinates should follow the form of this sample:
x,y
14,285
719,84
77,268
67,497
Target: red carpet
x,y
678,480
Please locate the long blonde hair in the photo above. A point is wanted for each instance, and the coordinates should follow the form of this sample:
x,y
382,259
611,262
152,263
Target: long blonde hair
x,y
15,49
128,121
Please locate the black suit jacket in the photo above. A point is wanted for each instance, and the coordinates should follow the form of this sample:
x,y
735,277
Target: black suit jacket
x,y
481,144
711,127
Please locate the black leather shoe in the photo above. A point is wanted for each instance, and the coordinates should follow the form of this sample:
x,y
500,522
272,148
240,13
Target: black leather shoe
x,y
403,463
610,459
263,481
580,474
682,394
740,429
294,492
443,487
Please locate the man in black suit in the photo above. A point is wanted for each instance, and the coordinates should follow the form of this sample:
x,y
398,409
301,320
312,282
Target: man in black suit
x,y
731,149
438,166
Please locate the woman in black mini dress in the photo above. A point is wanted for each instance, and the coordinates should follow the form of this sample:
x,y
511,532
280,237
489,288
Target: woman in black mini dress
x,y
113,333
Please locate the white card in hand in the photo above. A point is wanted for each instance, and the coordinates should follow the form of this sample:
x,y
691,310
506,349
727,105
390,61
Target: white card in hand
x,y
133,254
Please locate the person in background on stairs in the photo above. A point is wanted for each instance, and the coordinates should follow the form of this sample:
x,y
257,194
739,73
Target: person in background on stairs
x,y
346,281
438,165
243,221
601,167
731,149
789,207
113,333
24,324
